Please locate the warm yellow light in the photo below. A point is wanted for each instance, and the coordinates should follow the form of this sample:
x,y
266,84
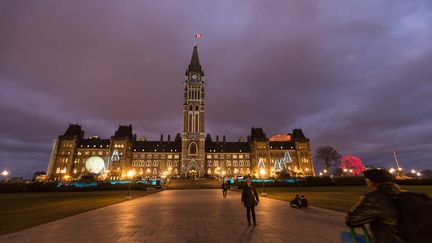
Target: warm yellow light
x,y
130,173
66,177
351,171
307,169
325,171
262,172
235,171
5,173
413,171
148,170
165,173
321,173
392,170
418,174
169,168
400,169
223,172
107,171
345,170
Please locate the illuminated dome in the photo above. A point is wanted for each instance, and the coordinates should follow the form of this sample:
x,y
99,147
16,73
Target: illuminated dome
x,y
95,164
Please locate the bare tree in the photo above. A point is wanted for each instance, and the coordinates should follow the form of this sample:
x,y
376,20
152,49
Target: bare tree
x,y
327,156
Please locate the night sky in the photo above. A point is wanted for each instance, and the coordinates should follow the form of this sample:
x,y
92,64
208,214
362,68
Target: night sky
x,y
356,75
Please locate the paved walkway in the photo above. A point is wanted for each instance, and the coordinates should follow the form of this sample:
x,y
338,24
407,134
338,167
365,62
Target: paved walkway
x,y
189,216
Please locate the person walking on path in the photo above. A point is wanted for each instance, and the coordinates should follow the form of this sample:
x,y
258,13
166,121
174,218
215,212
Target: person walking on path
x,y
250,200
377,207
224,189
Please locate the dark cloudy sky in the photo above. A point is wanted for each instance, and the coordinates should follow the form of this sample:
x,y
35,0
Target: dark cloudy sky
x,y
356,75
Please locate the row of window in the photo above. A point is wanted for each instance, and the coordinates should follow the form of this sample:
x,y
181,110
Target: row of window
x,y
66,145
235,163
94,146
228,156
229,171
156,156
101,153
155,163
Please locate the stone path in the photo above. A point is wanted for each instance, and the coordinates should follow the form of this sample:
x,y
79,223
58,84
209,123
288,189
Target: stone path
x,y
189,216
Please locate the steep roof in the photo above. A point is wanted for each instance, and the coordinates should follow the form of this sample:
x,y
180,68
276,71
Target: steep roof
x,y
124,132
195,66
299,136
257,134
74,130
157,146
227,147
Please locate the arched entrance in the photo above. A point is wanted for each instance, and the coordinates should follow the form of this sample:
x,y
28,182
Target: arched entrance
x,y
192,170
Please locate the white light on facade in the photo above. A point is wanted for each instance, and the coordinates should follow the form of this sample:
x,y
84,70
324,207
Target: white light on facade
x,y
95,164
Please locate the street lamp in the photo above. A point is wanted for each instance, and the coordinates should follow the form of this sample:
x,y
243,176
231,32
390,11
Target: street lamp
x,y
263,172
392,170
130,174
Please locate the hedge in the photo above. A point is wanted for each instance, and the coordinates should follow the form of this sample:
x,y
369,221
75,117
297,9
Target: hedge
x,y
57,187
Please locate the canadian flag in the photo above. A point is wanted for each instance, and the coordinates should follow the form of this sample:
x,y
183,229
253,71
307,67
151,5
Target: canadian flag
x,y
197,36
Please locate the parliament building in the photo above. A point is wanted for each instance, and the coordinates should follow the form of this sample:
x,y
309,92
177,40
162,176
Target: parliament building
x,y
190,154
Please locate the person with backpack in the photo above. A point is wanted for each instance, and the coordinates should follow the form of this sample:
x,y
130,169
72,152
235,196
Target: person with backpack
x,y
250,200
378,208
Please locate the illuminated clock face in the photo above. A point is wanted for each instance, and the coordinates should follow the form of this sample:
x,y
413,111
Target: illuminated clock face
x,y
95,164
194,76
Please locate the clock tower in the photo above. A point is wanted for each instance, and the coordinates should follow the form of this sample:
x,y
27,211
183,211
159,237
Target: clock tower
x,y
193,135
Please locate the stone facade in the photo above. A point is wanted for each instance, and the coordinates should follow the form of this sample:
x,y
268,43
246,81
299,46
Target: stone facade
x,y
190,154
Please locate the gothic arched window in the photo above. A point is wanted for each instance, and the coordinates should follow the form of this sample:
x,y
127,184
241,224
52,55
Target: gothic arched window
x,y
193,148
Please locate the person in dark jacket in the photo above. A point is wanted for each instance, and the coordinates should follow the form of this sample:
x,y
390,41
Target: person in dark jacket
x,y
377,207
224,188
250,199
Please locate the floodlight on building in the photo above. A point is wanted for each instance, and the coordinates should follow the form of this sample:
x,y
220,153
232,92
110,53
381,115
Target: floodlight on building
x,y
130,173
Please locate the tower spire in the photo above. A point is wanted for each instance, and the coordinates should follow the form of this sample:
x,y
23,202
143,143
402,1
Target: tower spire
x,y
195,65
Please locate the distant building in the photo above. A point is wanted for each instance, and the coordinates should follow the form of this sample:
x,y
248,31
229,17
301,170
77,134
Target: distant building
x,y
191,153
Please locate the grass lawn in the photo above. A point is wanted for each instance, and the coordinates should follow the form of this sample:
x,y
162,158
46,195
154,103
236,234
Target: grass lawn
x,y
19,211
339,198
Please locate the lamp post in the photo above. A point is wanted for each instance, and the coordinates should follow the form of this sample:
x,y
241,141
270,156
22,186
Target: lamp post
x,y
263,172
130,174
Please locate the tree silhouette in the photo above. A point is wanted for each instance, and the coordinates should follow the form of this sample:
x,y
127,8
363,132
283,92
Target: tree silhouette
x,y
327,156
